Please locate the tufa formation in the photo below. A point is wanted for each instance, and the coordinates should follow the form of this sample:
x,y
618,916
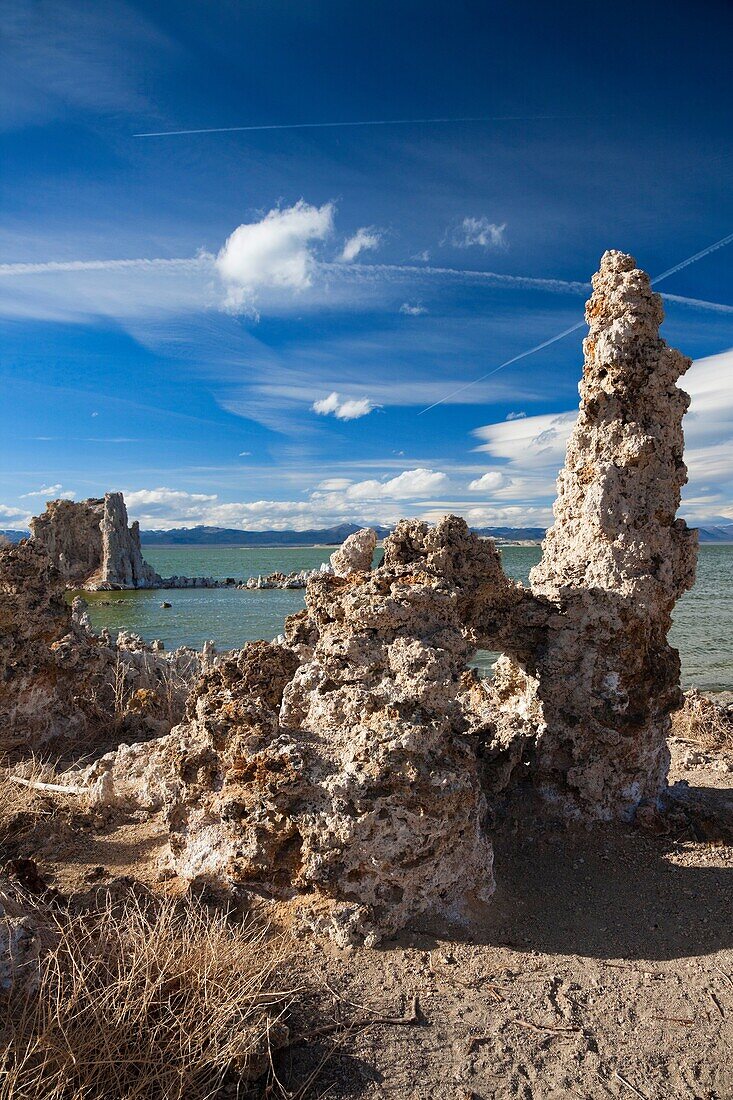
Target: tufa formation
x,y
91,544
346,772
615,562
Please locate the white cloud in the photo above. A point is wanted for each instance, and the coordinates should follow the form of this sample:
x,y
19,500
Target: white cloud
x,y
411,310
515,416
422,257
532,442
489,482
151,502
276,251
479,232
366,239
410,483
14,515
510,515
336,500
334,484
50,492
533,447
350,408
244,454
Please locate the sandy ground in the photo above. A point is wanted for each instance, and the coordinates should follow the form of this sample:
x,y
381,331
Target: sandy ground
x,y
604,966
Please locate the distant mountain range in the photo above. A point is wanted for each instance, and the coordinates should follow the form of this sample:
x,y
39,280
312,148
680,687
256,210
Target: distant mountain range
x,y
226,536
718,532
334,536
325,536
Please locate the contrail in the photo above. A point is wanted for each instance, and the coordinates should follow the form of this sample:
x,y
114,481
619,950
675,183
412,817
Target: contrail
x,y
522,355
524,282
55,266
693,259
332,125
574,328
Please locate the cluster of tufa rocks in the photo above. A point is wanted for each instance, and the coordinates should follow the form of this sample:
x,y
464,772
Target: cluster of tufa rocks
x,y
91,545
93,548
60,684
356,553
347,770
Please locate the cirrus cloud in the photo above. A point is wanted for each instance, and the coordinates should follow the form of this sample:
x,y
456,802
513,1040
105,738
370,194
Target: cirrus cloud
x,y
479,232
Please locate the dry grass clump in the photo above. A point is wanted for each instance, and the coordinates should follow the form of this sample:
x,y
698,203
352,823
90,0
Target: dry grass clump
x,y
24,807
149,1000
703,721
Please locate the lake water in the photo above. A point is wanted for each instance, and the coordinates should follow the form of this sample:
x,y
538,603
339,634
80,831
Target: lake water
x,y
703,619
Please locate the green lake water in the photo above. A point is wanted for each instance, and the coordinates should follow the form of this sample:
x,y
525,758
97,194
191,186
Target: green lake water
x,y
703,618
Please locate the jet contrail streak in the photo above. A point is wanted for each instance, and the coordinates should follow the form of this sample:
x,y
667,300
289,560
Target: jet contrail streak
x,y
522,355
574,328
55,266
693,259
332,125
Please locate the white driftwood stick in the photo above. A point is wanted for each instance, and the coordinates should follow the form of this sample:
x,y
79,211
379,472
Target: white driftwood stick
x,y
37,784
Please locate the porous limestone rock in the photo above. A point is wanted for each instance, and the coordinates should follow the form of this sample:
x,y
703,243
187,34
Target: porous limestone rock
x,y
123,565
357,797
70,534
614,562
91,544
356,553
60,683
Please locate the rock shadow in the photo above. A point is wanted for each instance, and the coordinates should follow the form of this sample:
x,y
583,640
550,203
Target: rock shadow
x,y
613,891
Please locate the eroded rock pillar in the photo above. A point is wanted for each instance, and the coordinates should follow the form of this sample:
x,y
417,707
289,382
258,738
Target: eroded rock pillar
x,y
615,561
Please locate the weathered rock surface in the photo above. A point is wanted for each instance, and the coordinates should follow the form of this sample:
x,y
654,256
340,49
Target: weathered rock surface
x,y
344,770
123,565
70,534
615,562
91,544
61,684
355,556
349,784
297,579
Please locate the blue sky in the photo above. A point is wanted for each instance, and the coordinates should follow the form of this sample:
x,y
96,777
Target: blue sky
x,y
244,328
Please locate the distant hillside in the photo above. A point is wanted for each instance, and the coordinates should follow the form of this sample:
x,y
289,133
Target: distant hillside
x,y
716,533
518,534
225,536
327,536
333,536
